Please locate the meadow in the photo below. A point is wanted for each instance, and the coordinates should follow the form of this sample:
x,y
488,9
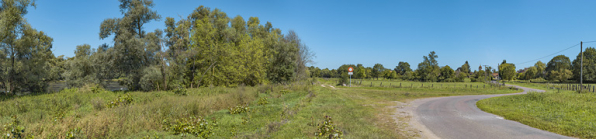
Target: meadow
x,y
299,110
560,111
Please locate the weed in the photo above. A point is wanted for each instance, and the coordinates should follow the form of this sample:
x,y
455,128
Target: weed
x,y
14,129
121,100
74,133
196,126
180,91
239,109
328,129
263,101
98,103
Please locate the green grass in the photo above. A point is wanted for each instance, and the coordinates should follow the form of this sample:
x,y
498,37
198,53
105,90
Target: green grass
x,y
559,111
292,111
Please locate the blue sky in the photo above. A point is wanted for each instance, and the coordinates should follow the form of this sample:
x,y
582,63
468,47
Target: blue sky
x,y
368,32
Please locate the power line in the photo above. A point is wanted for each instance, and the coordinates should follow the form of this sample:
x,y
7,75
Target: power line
x,y
553,53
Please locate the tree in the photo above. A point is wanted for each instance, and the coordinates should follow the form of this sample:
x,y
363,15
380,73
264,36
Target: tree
x,y
530,73
589,65
561,74
130,50
507,71
377,70
466,68
447,74
402,68
429,70
360,72
540,69
557,63
24,51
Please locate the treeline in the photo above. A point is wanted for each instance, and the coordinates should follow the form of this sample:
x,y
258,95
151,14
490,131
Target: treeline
x,y
561,69
428,70
207,48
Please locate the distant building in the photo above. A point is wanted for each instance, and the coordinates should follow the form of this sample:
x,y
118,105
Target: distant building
x,y
495,75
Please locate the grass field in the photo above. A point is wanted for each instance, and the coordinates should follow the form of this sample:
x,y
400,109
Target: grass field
x,y
290,111
559,111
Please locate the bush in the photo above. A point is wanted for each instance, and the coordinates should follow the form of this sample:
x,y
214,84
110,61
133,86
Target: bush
x,y
263,101
151,78
121,100
328,129
198,127
239,109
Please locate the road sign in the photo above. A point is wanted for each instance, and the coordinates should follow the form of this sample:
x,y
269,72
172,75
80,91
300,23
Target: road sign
x,y
350,70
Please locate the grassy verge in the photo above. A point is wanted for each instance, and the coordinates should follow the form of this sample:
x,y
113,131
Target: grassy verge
x,y
292,111
563,112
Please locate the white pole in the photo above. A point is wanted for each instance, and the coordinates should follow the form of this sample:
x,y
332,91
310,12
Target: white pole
x,y
350,80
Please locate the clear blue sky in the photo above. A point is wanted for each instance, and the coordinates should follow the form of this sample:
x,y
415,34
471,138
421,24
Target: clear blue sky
x,y
351,32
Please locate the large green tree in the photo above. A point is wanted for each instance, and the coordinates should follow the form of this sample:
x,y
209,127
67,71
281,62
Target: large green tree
x,y
447,74
377,70
131,52
557,64
24,51
429,69
402,68
589,65
507,71
540,69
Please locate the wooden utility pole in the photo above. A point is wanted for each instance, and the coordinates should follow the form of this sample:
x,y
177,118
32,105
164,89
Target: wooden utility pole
x,y
581,67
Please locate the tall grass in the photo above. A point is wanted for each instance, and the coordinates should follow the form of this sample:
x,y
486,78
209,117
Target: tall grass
x,y
291,111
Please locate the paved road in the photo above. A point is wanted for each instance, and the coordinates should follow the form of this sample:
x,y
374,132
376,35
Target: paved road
x,y
458,117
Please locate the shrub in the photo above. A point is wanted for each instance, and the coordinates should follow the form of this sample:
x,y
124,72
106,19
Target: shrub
x,y
195,126
121,100
328,129
263,101
239,109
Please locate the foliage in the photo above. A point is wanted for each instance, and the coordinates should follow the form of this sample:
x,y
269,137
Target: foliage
x,y
196,126
13,129
24,52
540,69
262,101
507,71
74,133
121,100
402,68
561,75
589,65
377,70
447,74
557,63
429,70
327,129
180,91
239,109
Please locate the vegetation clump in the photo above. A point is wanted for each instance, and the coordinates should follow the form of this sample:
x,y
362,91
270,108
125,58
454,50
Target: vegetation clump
x,y
14,129
121,100
239,109
328,129
196,126
263,101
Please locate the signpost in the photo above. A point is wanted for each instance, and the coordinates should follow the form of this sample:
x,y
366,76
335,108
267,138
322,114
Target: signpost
x,y
350,72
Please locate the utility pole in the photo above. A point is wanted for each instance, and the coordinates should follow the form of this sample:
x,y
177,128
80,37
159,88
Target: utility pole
x,y
581,67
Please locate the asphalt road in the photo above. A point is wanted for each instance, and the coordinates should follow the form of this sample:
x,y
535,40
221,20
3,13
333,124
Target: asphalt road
x,y
458,117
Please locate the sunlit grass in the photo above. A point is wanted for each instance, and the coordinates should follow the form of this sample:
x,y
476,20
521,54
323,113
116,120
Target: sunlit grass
x,y
559,111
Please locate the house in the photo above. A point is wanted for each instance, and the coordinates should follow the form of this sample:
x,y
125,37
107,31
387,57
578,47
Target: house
x,y
495,75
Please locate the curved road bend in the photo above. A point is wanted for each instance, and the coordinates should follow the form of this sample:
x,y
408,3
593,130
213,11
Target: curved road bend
x,y
457,117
